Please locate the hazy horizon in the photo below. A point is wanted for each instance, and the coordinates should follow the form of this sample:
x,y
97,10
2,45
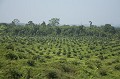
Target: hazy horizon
x,y
69,11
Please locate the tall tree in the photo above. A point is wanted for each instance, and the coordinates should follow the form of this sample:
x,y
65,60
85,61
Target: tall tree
x,y
43,24
54,22
31,23
90,23
109,28
15,22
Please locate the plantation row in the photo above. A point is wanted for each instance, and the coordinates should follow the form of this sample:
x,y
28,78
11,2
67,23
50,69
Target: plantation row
x,y
59,57
59,52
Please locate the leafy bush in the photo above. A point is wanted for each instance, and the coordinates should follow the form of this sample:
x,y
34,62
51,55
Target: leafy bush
x,y
21,56
31,62
10,46
29,73
68,55
80,57
116,61
36,57
11,56
42,60
41,53
98,63
76,62
13,73
1,64
117,67
64,53
87,56
74,54
103,72
52,74
58,53
62,60
66,68
48,57
101,57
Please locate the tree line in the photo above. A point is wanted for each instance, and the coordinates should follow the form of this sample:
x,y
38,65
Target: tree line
x,y
53,29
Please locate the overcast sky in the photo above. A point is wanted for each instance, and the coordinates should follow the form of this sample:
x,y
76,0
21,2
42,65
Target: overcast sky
x,y
69,11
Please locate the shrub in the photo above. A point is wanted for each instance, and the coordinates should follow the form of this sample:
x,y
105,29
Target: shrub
x,y
11,56
117,67
31,62
62,60
98,63
80,57
64,53
68,55
20,50
41,53
21,56
10,46
29,73
42,60
103,72
74,54
58,53
29,51
115,61
87,56
52,74
53,52
36,57
76,62
48,57
101,57
1,64
13,73
66,68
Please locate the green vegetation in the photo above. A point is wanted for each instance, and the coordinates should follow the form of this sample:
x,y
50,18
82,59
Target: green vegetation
x,y
50,51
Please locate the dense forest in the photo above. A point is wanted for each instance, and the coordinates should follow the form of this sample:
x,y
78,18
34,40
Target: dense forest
x,y
65,30
53,51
